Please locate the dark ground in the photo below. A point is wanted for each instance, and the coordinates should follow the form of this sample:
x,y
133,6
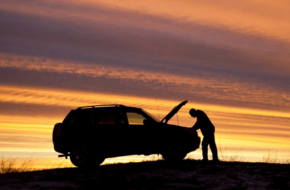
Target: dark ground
x,y
188,174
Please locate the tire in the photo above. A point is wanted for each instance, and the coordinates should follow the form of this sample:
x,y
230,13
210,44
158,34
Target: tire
x,y
83,158
173,153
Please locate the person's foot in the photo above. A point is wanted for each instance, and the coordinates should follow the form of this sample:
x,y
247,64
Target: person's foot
x,y
204,160
216,160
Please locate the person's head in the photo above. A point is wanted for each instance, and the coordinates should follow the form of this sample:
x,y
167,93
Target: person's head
x,y
192,112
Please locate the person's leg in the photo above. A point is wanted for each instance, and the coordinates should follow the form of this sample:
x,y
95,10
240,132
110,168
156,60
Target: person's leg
x,y
213,148
204,148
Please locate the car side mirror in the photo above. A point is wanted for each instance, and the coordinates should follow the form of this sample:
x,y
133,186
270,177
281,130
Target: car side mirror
x,y
148,122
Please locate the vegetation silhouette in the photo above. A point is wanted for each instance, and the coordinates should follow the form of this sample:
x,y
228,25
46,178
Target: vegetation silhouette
x,y
188,174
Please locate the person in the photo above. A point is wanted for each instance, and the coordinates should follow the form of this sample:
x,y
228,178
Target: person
x,y
207,129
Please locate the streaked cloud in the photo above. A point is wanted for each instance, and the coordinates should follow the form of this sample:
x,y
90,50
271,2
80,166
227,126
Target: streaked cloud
x,y
73,99
194,86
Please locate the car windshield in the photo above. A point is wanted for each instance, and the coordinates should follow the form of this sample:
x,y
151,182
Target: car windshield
x,y
151,116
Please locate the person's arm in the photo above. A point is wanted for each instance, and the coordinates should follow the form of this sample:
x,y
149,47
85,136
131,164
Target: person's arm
x,y
196,126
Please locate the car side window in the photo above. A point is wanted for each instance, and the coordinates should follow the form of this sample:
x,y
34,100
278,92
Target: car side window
x,y
107,119
83,118
135,118
123,118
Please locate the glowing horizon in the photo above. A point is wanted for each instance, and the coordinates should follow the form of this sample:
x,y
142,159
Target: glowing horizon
x,y
228,128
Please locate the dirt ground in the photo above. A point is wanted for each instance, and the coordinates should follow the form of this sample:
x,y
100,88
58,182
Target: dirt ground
x,y
187,174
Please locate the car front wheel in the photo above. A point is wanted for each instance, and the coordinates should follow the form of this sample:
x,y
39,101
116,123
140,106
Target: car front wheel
x,y
173,153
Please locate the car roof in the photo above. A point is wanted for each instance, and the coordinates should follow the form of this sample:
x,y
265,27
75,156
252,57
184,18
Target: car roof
x,y
107,107
101,106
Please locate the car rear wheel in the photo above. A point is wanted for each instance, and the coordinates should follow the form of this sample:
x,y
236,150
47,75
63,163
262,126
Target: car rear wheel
x,y
83,158
173,152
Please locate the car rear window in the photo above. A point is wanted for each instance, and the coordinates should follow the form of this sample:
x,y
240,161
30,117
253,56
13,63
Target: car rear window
x,y
83,117
70,117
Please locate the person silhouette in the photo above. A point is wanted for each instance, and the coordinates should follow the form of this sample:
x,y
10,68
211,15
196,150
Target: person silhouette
x,y
207,129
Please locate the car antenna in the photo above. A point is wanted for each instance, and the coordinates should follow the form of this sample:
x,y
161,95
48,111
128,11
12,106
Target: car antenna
x,y
157,108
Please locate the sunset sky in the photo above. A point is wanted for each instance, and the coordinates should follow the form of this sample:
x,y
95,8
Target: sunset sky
x,y
228,58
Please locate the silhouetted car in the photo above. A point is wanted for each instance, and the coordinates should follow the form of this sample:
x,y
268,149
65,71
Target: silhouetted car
x,y
91,134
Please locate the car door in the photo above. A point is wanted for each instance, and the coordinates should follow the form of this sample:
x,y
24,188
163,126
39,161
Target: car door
x,y
107,132
141,138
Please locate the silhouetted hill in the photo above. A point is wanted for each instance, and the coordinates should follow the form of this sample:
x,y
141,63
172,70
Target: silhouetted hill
x,y
187,174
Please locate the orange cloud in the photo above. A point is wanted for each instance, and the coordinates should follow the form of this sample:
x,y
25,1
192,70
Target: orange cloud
x,y
266,18
222,90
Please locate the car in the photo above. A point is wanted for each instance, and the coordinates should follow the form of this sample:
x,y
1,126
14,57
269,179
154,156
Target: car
x,y
90,134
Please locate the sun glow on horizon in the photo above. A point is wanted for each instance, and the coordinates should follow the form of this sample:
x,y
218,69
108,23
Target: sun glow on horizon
x,y
231,123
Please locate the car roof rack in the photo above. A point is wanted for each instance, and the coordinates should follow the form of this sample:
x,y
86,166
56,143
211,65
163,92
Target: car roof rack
x,y
98,106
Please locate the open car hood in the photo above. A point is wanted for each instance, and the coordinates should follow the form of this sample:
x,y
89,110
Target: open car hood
x,y
173,112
